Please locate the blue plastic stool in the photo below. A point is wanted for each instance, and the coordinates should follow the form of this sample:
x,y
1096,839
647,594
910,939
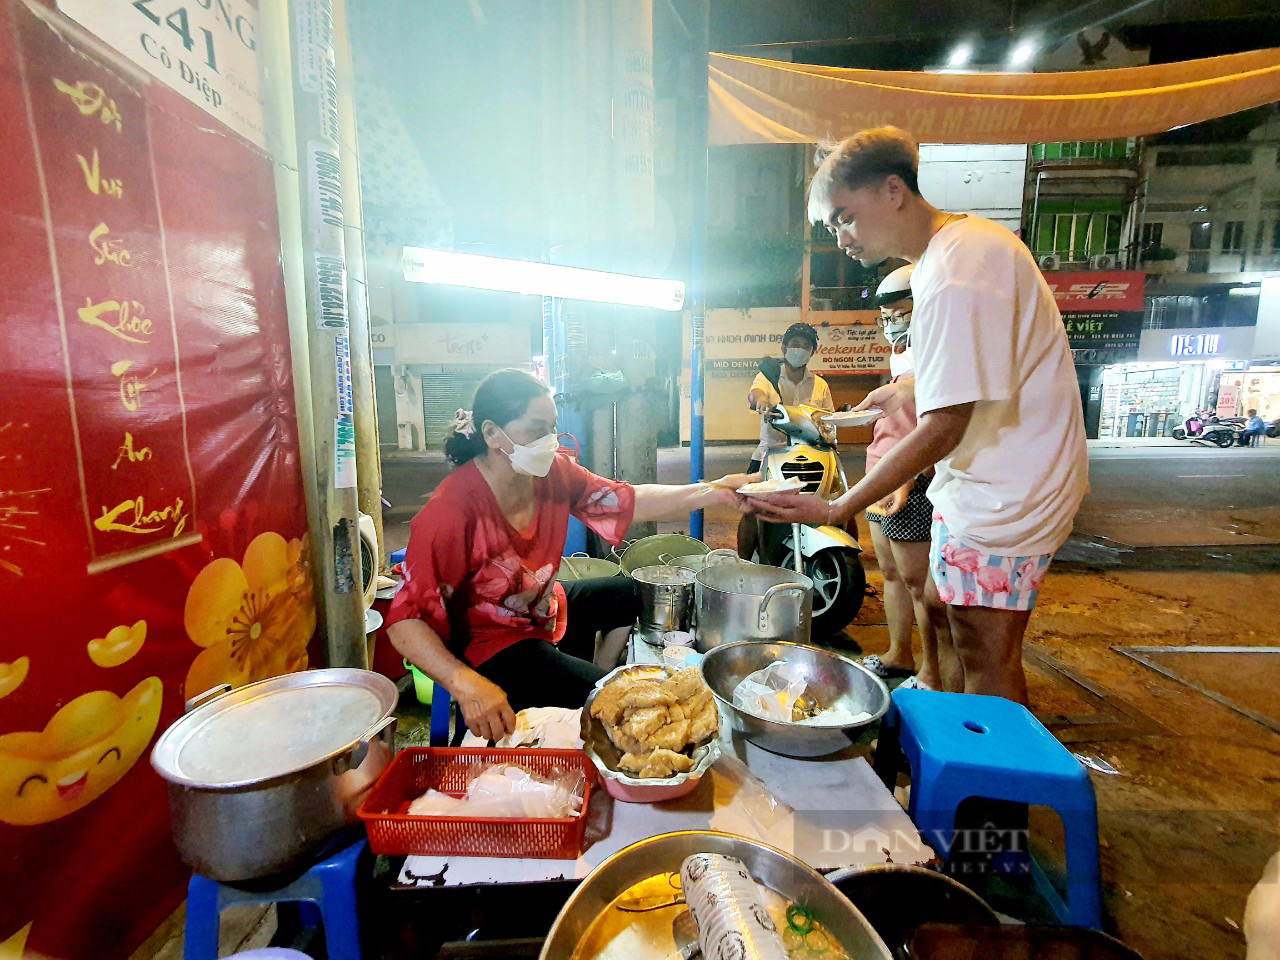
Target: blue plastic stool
x,y
328,888
963,745
441,710
397,556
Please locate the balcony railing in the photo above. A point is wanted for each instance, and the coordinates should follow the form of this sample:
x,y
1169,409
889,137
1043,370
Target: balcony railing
x,y
1074,151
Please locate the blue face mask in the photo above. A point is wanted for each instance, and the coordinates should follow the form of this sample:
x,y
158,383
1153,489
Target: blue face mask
x,y
798,356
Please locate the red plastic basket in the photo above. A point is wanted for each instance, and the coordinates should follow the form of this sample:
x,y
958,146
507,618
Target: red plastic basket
x,y
414,770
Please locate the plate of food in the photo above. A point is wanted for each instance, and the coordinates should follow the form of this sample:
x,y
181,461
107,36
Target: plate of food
x,y
766,487
652,735
853,418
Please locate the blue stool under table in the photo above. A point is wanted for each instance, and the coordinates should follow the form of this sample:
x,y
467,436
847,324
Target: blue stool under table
x,y
963,745
328,887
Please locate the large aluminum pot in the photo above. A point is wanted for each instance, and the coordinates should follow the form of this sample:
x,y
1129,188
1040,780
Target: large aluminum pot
x,y
739,600
260,777
591,918
666,597
579,566
662,548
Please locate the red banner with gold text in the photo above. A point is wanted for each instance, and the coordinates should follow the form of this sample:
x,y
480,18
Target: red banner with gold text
x,y
152,529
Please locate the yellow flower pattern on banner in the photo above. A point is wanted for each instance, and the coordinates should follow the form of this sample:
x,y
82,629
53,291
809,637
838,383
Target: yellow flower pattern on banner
x,y
253,618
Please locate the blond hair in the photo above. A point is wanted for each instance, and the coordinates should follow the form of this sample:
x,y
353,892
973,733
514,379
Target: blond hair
x,y
860,161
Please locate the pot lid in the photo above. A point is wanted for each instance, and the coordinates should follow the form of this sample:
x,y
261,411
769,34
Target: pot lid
x,y
664,575
273,728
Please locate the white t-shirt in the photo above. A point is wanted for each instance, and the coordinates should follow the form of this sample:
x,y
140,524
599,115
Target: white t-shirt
x,y
811,389
985,329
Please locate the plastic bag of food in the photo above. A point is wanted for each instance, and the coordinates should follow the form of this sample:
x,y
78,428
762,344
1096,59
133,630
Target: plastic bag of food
x,y
728,909
506,790
772,692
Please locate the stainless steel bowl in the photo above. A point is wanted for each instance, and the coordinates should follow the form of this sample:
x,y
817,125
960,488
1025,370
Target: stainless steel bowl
x,y
833,681
663,854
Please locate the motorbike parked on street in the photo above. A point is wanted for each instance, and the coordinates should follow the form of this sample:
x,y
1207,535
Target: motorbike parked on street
x,y
1204,427
830,556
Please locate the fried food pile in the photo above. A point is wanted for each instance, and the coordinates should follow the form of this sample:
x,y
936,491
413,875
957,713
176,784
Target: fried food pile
x,y
657,722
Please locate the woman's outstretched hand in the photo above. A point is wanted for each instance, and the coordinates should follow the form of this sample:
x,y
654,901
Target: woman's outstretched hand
x,y
485,708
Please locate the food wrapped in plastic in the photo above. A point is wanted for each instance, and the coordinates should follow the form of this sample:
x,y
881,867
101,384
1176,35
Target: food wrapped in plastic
x,y
728,909
778,693
508,791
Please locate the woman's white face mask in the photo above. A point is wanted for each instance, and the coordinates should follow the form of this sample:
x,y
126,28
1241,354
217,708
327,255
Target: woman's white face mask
x,y
533,459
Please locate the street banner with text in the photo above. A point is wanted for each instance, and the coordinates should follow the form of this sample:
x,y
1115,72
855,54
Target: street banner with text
x,y
152,529
1102,312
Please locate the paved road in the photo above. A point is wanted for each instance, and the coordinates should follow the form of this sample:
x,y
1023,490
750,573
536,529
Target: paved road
x,y
1202,506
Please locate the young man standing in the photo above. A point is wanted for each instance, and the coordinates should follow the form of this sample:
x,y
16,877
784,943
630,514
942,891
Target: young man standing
x,y
794,383
995,393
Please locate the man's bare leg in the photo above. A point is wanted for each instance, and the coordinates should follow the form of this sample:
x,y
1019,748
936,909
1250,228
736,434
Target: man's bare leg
x,y
989,644
950,666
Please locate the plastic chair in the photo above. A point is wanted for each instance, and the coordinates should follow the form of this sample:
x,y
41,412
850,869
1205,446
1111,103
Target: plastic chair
x,y
961,746
327,888
441,710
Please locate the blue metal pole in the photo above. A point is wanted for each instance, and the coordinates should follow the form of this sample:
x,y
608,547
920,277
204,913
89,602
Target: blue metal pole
x,y
698,258
555,354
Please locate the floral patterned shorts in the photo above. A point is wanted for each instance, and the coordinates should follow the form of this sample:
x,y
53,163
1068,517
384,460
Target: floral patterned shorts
x,y
969,577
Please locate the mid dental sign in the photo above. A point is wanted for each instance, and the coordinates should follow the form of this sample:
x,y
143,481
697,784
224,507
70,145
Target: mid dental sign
x,y
1195,345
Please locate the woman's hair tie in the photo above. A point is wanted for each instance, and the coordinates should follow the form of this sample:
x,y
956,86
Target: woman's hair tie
x,y
464,423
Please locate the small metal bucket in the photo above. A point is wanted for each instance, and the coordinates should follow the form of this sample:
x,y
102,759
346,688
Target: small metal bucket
x,y
666,597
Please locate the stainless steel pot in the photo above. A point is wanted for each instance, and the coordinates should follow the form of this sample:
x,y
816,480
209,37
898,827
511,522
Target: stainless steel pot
x,y
662,548
666,597
738,600
261,776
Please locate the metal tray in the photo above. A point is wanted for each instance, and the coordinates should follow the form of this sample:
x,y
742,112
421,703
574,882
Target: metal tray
x,y
643,868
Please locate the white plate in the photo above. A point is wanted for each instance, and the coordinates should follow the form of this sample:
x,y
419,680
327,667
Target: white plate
x,y
852,418
766,487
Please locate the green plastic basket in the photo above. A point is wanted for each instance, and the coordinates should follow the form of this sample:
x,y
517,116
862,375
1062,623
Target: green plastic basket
x,y
423,686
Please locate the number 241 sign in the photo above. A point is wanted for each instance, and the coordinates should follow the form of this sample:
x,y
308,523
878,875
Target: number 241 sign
x,y
207,50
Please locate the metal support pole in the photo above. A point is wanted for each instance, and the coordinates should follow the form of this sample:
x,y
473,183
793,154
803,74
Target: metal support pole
x,y
368,461
333,507
698,255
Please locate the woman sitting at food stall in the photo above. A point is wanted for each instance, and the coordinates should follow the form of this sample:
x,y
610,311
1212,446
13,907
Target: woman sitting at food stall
x,y
481,612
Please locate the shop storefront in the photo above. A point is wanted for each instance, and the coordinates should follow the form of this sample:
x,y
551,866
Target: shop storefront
x,y
1253,387
852,357
1177,372
437,367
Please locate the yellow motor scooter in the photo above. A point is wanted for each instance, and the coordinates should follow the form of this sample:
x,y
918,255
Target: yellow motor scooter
x,y
828,555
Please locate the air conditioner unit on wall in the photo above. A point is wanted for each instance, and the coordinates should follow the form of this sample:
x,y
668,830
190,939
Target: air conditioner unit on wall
x,y
1103,261
1050,261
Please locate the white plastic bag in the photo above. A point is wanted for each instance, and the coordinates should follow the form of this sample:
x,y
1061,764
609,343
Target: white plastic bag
x,y
506,790
772,692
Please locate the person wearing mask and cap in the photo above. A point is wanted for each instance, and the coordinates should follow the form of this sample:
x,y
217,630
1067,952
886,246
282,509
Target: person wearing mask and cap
x,y
789,381
900,523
